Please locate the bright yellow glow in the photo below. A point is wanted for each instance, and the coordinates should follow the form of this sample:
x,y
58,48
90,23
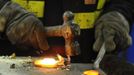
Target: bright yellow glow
x,y
60,60
50,62
91,72
46,62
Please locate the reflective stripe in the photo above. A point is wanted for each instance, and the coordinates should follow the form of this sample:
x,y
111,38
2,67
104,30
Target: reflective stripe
x,y
86,20
100,4
37,7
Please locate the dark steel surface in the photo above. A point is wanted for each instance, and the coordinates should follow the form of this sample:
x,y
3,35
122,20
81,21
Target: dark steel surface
x,y
22,67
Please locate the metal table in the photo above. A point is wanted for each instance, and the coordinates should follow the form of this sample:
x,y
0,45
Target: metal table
x,y
21,66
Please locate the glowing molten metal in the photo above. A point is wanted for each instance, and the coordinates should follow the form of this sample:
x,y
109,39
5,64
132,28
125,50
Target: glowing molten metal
x,y
50,62
91,72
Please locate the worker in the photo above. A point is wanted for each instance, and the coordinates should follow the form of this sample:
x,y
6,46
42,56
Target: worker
x,y
100,21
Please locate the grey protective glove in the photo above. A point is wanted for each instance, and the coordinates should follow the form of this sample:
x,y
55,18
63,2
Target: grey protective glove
x,y
113,29
21,27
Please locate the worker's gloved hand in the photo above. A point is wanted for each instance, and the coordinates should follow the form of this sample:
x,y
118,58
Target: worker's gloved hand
x,y
22,27
113,29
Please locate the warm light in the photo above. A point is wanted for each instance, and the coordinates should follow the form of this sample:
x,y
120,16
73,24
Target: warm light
x,y
91,72
60,60
46,62
50,62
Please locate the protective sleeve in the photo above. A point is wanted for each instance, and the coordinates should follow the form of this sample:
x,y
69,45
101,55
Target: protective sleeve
x,y
125,7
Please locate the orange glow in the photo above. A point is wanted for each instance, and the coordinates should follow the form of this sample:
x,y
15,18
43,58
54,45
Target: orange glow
x,y
60,60
50,62
46,62
91,72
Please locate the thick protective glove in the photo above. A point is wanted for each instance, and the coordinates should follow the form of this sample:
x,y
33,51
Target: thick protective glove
x,y
113,29
21,27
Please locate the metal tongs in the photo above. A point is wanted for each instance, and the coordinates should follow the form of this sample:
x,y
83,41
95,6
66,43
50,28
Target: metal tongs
x,y
100,56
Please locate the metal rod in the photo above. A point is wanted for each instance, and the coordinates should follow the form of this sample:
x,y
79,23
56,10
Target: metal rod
x,y
99,57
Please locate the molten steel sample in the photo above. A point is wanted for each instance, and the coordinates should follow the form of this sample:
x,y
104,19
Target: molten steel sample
x,y
50,62
91,72
46,62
